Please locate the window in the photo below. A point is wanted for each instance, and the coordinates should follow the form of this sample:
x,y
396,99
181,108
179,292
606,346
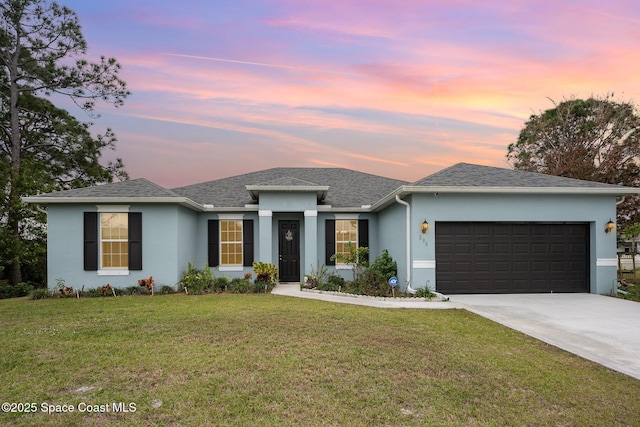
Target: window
x,y
346,231
114,241
231,242
356,229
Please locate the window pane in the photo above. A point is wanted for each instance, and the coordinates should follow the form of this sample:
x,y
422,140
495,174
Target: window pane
x,y
230,242
114,232
346,231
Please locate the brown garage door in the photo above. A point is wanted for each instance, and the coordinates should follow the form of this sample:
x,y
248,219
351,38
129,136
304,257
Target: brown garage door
x,y
483,257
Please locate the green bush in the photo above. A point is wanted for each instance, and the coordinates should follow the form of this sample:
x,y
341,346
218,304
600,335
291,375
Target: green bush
x,y
132,290
20,290
386,265
316,279
265,272
333,283
195,280
239,286
370,282
166,289
220,284
424,293
40,293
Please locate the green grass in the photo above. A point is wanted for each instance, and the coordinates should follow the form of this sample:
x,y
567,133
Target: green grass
x,y
268,360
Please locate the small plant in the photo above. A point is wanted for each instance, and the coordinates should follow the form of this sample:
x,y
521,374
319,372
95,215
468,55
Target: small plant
x,y
239,286
132,290
220,284
425,293
385,265
316,278
195,280
265,272
356,257
106,290
166,289
40,293
147,284
371,282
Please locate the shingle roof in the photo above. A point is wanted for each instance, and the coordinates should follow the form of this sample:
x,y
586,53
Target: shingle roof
x,y
469,175
347,188
133,188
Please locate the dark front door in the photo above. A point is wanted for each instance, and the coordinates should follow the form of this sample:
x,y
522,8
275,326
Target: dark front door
x,y
289,249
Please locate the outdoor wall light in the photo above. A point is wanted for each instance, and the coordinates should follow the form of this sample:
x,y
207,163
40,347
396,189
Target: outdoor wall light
x,y
610,227
425,227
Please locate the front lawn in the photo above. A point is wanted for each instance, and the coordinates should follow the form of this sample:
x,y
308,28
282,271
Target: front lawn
x,y
184,360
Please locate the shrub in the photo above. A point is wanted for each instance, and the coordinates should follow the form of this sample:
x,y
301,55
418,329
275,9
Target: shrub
x,y
195,280
132,290
40,293
166,289
356,257
385,265
425,293
239,286
220,284
20,290
265,272
371,282
333,283
316,278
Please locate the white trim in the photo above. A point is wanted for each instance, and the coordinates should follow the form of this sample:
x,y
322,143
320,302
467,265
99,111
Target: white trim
x,y
113,272
343,266
230,217
230,268
264,212
424,263
311,213
113,208
347,216
606,262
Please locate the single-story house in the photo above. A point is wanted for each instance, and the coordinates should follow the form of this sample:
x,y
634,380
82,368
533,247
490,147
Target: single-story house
x,y
465,229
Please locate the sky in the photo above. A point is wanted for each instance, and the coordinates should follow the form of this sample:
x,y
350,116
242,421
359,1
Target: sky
x,y
399,88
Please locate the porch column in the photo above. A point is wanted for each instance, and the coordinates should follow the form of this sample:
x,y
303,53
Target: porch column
x,y
310,240
265,233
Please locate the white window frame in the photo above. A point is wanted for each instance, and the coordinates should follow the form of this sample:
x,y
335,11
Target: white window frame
x,y
230,217
339,265
110,209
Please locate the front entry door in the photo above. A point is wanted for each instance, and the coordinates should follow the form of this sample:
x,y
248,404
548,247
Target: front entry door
x,y
289,249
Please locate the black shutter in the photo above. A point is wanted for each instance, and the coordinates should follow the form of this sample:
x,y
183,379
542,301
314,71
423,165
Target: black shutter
x,y
91,241
213,247
135,240
363,234
330,240
247,242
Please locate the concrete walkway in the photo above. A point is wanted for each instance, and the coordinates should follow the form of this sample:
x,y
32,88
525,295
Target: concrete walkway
x,y
602,329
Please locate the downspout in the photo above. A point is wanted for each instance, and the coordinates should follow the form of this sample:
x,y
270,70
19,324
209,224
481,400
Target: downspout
x,y
408,239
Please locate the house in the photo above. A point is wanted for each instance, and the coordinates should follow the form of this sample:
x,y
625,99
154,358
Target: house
x,y
465,229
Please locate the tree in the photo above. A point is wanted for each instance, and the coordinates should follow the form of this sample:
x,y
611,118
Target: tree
x,y
44,148
596,139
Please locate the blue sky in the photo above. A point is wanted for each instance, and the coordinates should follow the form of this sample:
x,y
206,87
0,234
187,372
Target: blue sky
x,y
400,89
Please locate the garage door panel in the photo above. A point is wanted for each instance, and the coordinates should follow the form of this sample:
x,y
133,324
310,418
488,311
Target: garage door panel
x,y
512,257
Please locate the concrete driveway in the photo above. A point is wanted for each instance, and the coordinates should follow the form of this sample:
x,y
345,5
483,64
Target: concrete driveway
x,y
603,329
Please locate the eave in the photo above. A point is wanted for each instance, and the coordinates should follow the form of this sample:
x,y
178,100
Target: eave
x,y
182,201
409,189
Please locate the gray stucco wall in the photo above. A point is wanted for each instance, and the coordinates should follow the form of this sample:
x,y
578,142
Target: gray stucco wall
x,y
166,230
594,210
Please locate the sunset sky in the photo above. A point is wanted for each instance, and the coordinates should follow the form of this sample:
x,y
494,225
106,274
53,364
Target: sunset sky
x,y
397,88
